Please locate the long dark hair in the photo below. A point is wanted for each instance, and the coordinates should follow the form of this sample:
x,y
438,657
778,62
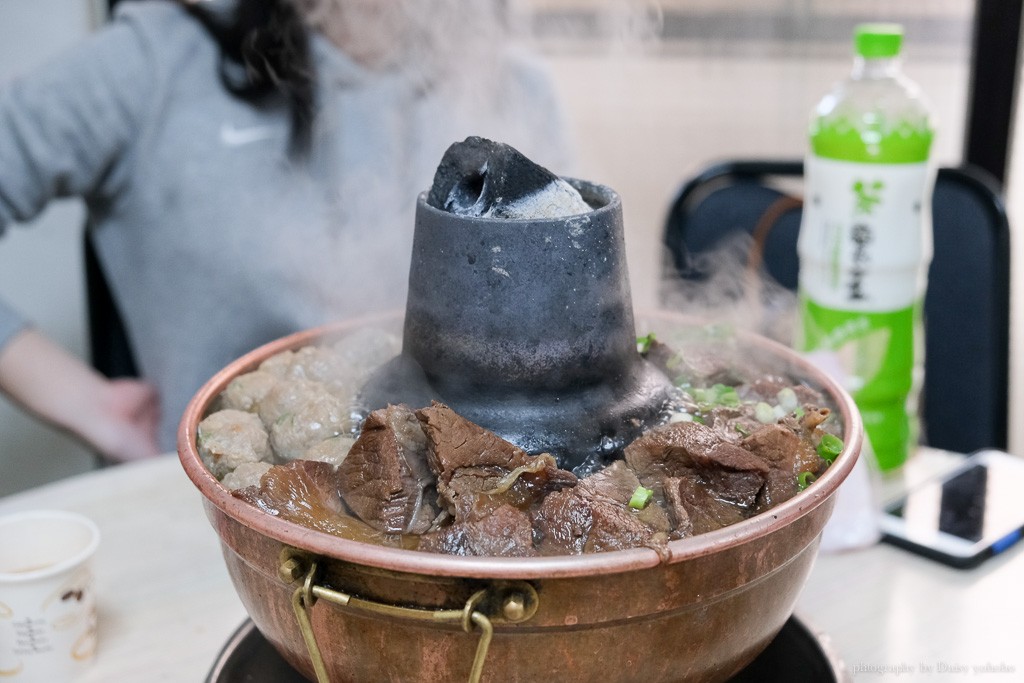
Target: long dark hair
x,y
264,51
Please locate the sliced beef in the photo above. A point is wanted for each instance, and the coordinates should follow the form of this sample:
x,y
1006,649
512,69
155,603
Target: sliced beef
x,y
505,532
786,449
777,446
385,479
455,442
774,444
678,514
730,473
595,516
667,450
768,387
473,492
615,485
616,527
779,486
563,523
477,471
306,493
467,496
704,512
733,424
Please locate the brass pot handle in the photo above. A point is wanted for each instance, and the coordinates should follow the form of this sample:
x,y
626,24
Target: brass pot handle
x,y
510,602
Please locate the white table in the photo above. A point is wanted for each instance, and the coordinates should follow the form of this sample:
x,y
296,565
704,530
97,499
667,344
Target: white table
x,y
888,610
167,605
165,601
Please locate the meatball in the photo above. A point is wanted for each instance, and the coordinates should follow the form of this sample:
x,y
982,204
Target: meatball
x,y
229,438
246,391
278,364
245,475
324,365
345,366
300,413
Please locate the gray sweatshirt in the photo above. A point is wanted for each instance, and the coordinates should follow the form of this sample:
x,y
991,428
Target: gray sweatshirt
x,y
214,242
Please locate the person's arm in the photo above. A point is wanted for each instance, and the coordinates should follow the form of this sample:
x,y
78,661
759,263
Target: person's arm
x,y
64,130
117,418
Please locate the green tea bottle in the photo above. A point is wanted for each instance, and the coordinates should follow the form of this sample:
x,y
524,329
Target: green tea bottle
x,y
865,239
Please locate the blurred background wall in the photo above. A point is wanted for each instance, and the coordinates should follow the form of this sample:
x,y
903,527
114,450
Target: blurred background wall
x,y
653,90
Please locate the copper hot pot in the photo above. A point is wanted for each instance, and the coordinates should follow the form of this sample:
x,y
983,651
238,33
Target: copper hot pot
x,y
342,610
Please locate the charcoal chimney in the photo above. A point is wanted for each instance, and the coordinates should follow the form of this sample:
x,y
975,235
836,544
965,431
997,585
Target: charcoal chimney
x,y
523,325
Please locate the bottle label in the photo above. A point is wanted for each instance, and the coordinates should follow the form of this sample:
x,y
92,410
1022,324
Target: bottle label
x,y
875,350
865,235
864,245
876,353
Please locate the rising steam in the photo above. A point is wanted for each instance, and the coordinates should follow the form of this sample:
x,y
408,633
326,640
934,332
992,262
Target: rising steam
x,y
731,287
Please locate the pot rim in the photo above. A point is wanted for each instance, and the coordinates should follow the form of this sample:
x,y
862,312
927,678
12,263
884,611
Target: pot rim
x,y
561,566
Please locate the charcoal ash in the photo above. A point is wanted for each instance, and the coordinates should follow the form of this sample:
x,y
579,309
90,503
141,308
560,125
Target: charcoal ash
x,y
486,179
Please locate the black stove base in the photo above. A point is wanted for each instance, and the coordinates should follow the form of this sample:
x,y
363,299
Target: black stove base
x,y
796,655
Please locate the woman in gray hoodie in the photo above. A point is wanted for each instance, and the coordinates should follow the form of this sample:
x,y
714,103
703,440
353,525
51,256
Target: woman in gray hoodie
x,y
250,168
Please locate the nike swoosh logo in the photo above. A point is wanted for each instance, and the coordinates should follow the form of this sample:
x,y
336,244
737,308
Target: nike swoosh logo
x,y
233,136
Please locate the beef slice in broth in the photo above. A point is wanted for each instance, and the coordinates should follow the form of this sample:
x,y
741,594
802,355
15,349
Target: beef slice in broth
x,y
478,471
385,479
705,481
694,509
595,516
306,493
730,473
505,532
486,485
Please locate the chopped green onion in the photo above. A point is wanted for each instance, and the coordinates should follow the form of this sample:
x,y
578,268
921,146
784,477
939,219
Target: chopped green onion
x,y
716,395
700,419
764,413
641,498
643,344
741,429
727,396
788,400
829,447
805,479
799,412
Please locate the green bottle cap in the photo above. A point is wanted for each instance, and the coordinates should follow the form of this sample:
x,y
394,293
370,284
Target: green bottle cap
x,y
878,40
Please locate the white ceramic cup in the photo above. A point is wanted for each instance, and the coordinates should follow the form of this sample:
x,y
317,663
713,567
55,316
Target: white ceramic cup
x,y
47,602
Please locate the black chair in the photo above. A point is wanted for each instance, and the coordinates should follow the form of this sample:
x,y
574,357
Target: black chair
x,y
964,400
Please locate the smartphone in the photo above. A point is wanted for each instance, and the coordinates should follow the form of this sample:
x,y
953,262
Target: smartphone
x,y
961,519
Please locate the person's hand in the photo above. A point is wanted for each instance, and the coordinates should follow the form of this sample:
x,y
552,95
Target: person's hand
x,y
130,414
117,418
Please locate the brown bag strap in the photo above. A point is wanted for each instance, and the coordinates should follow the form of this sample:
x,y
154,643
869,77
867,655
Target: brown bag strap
x,y
764,226
754,284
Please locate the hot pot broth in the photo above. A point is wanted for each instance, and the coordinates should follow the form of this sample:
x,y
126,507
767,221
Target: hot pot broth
x,y
292,439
